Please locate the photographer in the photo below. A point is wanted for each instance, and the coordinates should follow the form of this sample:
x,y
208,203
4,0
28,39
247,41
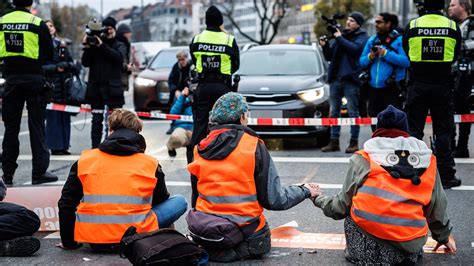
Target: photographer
x,y
104,55
343,74
386,64
57,71
460,11
182,130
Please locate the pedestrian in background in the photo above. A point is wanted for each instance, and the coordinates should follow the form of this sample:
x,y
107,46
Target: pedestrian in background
x,y
343,75
216,56
23,62
460,11
432,43
57,71
104,88
183,130
124,35
391,197
386,63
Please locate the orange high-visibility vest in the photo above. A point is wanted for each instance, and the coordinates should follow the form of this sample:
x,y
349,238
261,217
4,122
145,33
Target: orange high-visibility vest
x,y
390,208
227,187
118,192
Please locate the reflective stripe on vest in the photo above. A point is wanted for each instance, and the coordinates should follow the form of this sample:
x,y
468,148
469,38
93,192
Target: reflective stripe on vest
x,y
213,52
227,187
118,193
19,35
433,39
390,208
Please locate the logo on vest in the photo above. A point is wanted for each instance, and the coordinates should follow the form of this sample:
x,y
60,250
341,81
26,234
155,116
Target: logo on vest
x,y
24,27
433,32
211,48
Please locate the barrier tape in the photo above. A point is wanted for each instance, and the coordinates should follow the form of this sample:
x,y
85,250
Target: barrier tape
x,y
465,118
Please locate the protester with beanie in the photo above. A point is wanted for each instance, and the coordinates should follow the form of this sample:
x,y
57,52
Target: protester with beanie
x,y
391,197
432,43
124,34
23,59
215,54
235,178
104,90
343,76
17,224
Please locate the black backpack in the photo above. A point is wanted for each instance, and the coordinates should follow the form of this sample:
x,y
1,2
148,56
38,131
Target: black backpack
x,y
160,247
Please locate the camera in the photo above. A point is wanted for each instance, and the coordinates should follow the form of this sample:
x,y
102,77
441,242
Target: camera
x,y
94,29
374,49
364,76
332,24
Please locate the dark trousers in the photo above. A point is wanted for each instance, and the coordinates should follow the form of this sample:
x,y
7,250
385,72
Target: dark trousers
x,y
438,100
17,221
18,90
204,98
379,99
462,106
97,128
58,130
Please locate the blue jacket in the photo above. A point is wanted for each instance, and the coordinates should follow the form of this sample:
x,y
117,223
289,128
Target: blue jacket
x,y
182,106
383,67
344,55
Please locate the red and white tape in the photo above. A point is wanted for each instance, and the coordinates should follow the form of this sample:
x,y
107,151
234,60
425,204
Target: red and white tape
x,y
466,118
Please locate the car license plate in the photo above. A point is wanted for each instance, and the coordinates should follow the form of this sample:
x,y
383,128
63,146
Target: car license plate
x,y
266,114
164,95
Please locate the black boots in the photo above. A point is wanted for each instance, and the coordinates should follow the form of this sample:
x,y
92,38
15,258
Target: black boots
x,y
333,145
461,153
44,178
19,247
353,146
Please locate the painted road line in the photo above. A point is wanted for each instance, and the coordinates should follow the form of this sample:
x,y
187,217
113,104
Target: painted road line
x,y
27,132
54,235
463,188
155,152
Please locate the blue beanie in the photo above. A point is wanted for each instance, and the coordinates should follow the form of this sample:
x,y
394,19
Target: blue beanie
x,y
392,118
228,109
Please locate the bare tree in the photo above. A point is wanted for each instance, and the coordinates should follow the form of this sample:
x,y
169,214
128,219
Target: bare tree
x,y
269,12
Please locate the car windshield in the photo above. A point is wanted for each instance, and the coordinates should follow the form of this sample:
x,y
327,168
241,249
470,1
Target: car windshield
x,y
165,59
279,63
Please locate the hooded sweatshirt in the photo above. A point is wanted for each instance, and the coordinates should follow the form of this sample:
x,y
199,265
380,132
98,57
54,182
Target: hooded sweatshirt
x,y
122,142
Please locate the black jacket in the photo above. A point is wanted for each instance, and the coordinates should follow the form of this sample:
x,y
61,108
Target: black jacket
x,y
58,78
105,81
18,65
178,77
270,194
123,142
125,72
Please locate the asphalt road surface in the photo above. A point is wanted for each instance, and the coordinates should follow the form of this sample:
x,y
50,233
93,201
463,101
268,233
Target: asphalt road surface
x,y
297,162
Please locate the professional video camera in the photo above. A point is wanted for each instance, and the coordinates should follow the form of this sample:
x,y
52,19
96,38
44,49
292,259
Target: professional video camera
x,y
332,25
93,29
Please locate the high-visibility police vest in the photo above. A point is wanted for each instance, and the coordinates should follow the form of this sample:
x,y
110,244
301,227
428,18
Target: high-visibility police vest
x,y
213,52
227,187
433,39
19,35
390,208
118,193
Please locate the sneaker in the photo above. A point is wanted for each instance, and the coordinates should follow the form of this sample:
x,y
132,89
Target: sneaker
x,y
172,153
19,247
353,146
170,131
333,145
8,180
44,178
461,153
454,182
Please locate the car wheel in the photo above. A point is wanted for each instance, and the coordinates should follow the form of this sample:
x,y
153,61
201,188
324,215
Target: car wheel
x,y
322,138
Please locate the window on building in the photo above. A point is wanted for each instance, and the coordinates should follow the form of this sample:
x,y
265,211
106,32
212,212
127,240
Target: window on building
x,y
184,21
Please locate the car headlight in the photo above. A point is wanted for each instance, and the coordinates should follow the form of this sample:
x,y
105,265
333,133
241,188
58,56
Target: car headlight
x,y
2,81
312,94
143,82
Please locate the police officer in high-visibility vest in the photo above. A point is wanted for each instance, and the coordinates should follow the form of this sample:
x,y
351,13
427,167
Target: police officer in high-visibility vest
x,y
216,56
25,44
432,43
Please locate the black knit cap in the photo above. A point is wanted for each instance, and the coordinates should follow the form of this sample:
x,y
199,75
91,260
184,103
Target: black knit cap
x,y
109,22
358,17
22,3
123,28
434,5
214,17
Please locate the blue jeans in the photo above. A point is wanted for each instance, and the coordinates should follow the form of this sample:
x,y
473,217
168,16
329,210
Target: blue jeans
x,y
338,90
170,210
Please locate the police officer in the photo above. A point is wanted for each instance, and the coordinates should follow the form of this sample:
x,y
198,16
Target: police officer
x,y
459,11
216,56
432,43
25,44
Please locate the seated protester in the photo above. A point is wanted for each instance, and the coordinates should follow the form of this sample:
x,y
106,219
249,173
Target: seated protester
x,y
114,187
235,179
17,224
391,197
182,130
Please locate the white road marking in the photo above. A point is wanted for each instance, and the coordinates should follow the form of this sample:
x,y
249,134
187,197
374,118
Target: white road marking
x,y
27,132
472,244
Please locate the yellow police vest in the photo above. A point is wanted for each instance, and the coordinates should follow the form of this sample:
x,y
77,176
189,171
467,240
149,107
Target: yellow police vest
x,y
19,35
213,52
433,39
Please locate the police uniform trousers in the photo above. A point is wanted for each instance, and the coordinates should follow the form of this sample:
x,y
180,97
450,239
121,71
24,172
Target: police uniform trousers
x,y
462,92
438,100
18,90
17,221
